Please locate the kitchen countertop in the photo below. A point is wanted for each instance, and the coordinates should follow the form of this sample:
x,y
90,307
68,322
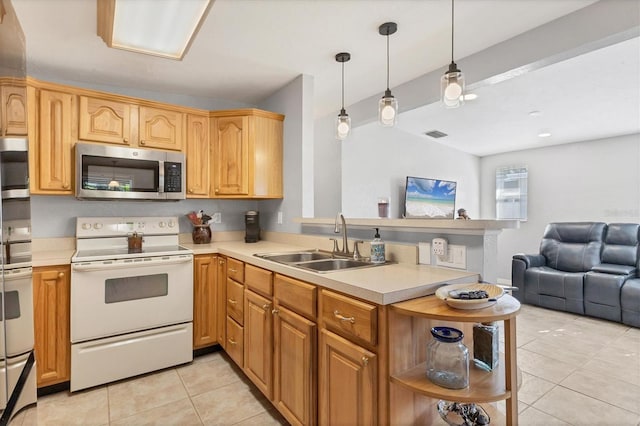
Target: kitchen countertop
x,y
383,285
386,284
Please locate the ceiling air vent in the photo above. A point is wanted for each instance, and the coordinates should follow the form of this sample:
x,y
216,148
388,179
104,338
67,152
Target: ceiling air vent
x,y
436,134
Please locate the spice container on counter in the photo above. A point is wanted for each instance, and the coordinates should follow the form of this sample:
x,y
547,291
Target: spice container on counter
x,y
448,358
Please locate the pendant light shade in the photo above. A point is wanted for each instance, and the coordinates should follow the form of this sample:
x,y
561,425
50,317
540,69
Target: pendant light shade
x,y
452,82
388,105
343,122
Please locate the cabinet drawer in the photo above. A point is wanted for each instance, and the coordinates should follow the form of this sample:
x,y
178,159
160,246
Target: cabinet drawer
x,y
258,280
235,270
298,296
235,301
350,317
235,342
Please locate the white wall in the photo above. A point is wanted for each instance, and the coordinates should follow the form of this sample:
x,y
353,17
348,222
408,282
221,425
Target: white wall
x,y
587,181
294,101
376,161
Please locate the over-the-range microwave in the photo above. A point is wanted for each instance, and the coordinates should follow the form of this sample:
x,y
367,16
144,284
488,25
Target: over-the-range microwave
x,y
114,172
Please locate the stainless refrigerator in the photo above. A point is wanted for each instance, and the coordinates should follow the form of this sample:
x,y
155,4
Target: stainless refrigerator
x,y
17,360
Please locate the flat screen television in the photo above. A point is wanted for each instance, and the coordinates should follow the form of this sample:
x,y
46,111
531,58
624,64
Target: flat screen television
x,y
429,198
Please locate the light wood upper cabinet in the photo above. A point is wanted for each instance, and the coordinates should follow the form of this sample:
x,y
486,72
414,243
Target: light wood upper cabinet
x,y
14,111
51,296
231,156
246,154
198,156
161,128
205,300
103,120
51,138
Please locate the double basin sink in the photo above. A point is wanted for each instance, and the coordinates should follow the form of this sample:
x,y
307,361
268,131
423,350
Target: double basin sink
x,y
316,260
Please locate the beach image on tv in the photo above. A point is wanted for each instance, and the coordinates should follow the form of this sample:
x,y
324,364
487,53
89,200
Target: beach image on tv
x,y
430,198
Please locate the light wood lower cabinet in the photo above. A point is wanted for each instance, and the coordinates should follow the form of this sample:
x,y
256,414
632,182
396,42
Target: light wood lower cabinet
x,y
258,341
348,382
205,301
294,366
51,290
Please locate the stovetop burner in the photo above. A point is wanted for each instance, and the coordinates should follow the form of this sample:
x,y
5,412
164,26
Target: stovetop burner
x,y
106,238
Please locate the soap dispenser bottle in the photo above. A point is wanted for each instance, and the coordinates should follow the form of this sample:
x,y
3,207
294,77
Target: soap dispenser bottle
x,y
377,249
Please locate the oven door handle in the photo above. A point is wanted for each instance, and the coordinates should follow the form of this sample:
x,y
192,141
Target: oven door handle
x,y
110,266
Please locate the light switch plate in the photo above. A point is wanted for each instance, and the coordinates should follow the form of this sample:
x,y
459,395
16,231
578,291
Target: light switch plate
x,y
424,253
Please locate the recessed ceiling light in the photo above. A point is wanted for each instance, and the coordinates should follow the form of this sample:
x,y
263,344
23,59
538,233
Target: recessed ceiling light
x,y
544,134
470,96
534,113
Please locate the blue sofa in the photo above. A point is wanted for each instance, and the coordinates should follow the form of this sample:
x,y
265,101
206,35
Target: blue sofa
x,y
589,268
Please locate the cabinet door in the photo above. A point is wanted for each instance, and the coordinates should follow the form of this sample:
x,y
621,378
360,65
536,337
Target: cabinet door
x,y
106,121
231,156
205,301
14,111
160,128
51,317
197,156
348,383
294,367
53,151
258,341
221,307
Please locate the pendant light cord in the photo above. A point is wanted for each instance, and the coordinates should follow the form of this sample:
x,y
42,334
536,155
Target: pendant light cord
x,y
387,60
343,85
452,30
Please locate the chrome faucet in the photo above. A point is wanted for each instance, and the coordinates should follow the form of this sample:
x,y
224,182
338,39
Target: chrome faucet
x,y
341,224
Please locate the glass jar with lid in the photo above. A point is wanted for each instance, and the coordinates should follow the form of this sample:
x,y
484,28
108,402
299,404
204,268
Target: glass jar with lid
x,y
448,358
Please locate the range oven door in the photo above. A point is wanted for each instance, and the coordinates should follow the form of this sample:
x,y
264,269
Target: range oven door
x,y
121,296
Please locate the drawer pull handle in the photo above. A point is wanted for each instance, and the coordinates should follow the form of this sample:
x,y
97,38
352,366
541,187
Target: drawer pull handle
x,y
266,306
365,360
232,270
275,311
233,302
341,317
231,341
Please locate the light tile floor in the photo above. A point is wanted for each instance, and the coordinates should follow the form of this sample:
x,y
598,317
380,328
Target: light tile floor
x,y
576,371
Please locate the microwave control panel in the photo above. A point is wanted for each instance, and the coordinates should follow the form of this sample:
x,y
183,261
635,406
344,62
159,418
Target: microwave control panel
x,y
172,177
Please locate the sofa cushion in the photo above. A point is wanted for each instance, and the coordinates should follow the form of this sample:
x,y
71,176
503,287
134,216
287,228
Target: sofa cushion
x,y
573,247
554,289
610,268
621,244
630,302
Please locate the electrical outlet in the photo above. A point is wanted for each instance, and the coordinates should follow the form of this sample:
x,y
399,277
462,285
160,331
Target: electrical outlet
x,y
424,253
279,218
456,257
217,217
439,246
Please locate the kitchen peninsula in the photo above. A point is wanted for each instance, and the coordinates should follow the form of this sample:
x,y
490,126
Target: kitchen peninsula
x,y
345,345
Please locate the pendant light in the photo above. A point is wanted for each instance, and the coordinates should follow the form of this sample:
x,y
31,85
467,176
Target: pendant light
x,y
343,122
388,105
452,82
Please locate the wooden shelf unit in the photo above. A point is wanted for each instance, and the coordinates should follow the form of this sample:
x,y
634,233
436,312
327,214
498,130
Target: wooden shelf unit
x,y
409,333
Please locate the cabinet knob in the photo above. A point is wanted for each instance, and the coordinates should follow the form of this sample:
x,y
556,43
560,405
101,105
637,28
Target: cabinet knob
x,y
142,142
365,360
221,262
60,274
233,302
275,311
266,306
231,341
191,190
217,190
65,185
341,317
125,140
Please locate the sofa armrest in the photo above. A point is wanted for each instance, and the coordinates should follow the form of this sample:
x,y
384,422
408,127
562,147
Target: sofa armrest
x,y
531,260
519,264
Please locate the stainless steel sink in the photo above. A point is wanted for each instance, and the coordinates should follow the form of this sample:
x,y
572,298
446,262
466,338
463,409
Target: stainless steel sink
x,y
329,265
305,256
316,260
